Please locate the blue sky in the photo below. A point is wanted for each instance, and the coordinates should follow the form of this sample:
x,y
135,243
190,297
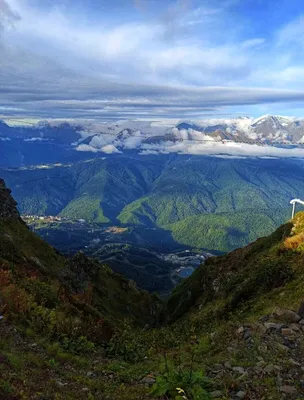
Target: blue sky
x,y
151,59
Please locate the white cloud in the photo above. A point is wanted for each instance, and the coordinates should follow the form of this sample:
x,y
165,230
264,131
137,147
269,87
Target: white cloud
x,y
110,149
86,147
7,15
133,142
291,33
253,42
167,140
35,139
218,148
99,141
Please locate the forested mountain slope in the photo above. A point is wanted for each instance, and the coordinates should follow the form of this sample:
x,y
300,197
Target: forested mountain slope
x,y
167,191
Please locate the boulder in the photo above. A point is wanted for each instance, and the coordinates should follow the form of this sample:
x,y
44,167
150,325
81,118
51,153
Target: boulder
x,y
216,394
288,389
286,315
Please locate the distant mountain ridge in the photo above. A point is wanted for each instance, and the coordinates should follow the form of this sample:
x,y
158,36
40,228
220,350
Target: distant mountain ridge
x,y
150,137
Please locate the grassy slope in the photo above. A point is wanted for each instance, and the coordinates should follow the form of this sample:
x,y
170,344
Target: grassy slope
x,y
246,278
51,301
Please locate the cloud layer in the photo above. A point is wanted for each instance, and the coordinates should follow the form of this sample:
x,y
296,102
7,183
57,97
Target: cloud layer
x,y
184,59
246,137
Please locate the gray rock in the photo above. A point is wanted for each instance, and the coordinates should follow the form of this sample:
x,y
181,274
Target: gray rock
x,y
283,348
148,381
293,362
90,374
60,384
240,394
301,322
247,334
220,374
212,335
288,389
216,394
240,331
279,380
261,364
263,348
287,332
258,370
269,369
243,376
295,328
289,343
272,326
240,370
286,315
227,365
264,318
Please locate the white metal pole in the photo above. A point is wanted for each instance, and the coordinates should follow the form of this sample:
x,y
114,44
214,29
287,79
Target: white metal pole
x,y
293,209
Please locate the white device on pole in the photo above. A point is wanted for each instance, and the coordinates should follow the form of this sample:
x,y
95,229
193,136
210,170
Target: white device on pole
x,y
293,202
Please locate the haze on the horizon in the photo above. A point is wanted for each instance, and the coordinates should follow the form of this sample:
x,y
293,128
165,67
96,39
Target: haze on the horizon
x,y
151,59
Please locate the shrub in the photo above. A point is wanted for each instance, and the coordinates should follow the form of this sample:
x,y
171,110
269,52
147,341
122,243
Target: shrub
x,y
294,242
77,345
181,384
43,292
16,300
125,344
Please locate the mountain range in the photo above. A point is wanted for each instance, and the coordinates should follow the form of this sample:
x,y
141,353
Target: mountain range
x,y
28,143
207,186
210,203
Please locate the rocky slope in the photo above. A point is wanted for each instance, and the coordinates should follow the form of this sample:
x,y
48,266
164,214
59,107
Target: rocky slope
x,y
8,208
249,305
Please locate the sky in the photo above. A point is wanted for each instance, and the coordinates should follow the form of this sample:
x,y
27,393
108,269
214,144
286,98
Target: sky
x,y
151,59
